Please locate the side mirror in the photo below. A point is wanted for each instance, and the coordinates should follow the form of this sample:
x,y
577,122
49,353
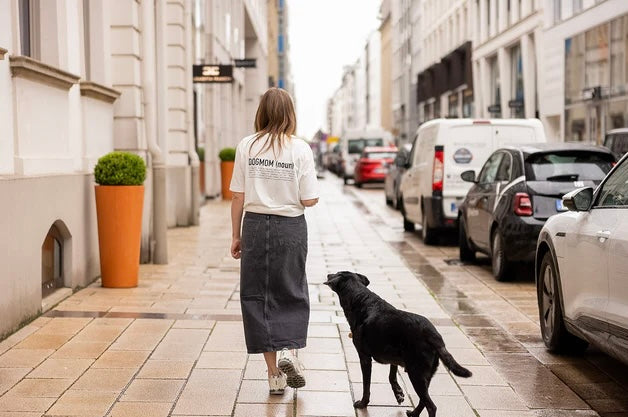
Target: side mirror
x,y
468,176
579,200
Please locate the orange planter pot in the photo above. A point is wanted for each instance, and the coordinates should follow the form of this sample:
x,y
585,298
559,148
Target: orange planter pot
x,y
226,171
119,212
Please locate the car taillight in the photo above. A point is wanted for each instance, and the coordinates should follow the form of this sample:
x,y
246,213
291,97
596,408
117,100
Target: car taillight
x,y
438,171
523,204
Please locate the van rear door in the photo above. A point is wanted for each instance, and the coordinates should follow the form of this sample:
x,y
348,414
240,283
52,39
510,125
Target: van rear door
x,y
514,135
466,147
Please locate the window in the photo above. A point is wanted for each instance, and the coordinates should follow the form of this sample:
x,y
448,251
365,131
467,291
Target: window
x,y
505,169
577,6
489,171
568,166
516,103
614,192
29,28
495,107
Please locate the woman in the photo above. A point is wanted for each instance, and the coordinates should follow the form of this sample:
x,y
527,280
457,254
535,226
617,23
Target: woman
x,y
274,179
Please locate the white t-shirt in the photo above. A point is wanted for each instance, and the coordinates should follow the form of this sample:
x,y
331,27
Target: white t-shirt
x,y
274,183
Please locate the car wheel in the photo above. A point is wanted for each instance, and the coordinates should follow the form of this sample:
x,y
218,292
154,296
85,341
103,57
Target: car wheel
x,y
357,184
428,233
346,180
395,202
389,201
467,254
408,226
501,267
555,334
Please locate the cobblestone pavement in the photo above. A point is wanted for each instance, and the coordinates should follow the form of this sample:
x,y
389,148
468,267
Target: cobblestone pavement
x,y
175,345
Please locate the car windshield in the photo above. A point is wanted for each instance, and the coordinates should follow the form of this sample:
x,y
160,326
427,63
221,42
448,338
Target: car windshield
x,y
568,166
358,145
380,155
617,143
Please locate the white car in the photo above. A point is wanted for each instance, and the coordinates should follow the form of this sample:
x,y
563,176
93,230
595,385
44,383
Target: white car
x,y
582,269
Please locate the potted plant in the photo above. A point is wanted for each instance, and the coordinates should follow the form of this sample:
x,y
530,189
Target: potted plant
x,y
119,203
227,156
201,170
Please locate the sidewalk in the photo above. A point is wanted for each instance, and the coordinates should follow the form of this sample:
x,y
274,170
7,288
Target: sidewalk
x,y
175,345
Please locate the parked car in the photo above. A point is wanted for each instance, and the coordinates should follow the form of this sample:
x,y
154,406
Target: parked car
x,y
431,188
393,176
617,141
352,145
372,165
333,160
582,268
518,189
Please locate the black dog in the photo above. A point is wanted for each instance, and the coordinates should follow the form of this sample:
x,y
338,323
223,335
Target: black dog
x,y
391,336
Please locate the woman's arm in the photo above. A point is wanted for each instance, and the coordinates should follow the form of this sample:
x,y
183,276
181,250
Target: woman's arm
x,y
309,203
237,207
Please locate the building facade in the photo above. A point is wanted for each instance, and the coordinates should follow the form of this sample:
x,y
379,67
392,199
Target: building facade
x,y
385,32
225,112
56,119
445,80
584,68
507,39
403,24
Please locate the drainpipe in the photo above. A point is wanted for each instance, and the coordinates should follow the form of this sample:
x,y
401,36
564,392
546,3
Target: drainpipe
x,y
192,155
159,245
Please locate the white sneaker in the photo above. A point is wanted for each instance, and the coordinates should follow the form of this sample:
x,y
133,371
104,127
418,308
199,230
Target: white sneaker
x,y
277,384
292,367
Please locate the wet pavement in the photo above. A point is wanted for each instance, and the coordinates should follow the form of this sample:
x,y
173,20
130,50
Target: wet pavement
x,y
174,346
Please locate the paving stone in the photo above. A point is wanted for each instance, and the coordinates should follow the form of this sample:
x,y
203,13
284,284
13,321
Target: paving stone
x,y
40,388
122,359
161,369
82,403
61,368
317,403
24,358
209,392
140,409
153,390
114,380
257,410
25,404
493,398
256,391
222,360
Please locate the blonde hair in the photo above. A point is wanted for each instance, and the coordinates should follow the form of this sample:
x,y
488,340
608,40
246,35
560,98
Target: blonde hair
x,y
276,118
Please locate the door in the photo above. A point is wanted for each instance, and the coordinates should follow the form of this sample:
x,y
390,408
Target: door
x,y
613,203
410,184
480,208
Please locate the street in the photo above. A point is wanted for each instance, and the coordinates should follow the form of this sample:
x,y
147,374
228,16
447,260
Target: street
x,y
174,345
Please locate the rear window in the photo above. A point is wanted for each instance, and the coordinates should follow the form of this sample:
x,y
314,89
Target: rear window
x,y
358,145
568,166
380,155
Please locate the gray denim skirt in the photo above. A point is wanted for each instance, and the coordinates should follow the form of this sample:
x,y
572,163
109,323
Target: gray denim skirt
x,y
273,287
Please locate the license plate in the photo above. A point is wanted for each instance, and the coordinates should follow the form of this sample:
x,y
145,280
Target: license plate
x,y
560,206
380,170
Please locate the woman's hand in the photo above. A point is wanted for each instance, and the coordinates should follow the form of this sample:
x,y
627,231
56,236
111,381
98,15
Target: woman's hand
x,y
236,251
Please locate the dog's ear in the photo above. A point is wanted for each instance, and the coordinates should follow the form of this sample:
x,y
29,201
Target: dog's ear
x,y
364,280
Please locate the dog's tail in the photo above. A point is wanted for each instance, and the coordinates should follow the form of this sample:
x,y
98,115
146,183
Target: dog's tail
x,y
451,363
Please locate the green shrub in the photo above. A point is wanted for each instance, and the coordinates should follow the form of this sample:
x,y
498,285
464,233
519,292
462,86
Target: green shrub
x,y
201,154
227,154
120,168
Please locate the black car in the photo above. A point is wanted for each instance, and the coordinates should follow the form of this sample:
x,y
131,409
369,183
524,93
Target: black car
x,y
518,189
393,176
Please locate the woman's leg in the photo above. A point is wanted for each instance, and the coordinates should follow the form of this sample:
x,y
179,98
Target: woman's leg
x,y
271,363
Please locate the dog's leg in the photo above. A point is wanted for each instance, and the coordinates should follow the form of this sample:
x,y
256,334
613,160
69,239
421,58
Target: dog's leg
x,y
366,365
392,378
421,381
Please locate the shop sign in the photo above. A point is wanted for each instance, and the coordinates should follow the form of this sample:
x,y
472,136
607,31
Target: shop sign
x,y
245,63
212,73
516,104
495,108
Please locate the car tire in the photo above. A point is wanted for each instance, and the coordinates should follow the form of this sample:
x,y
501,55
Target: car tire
x,y
389,201
467,254
408,226
555,335
500,265
428,233
346,180
357,184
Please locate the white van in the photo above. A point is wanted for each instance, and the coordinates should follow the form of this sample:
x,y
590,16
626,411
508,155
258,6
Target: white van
x,y
353,143
431,188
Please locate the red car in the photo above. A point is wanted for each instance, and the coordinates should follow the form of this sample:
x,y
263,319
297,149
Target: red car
x,y
373,164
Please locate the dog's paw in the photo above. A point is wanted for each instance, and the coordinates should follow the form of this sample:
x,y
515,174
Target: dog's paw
x,y
360,404
410,413
400,397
